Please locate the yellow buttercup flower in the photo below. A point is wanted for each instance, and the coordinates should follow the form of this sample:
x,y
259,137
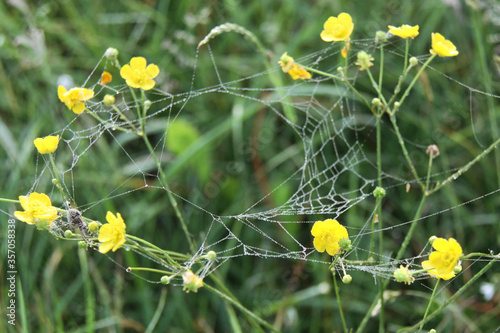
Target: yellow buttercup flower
x,y
46,145
137,75
289,66
337,29
404,31
327,235
37,208
442,47
442,262
112,234
75,98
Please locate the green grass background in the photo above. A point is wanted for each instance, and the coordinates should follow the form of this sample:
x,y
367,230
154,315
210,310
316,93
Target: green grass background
x,y
62,289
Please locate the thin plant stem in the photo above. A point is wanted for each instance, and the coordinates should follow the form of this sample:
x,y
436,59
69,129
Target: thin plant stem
x,y
167,256
428,306
146,269
406,55
237,304
58,184
381,72
171,197
407,91
405,152
465,167
337,294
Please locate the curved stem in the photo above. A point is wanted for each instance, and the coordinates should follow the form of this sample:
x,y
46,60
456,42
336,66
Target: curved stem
x,y
428,306
337,294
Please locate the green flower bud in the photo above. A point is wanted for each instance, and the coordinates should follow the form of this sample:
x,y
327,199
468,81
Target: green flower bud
x,y
432,239
165,279
68,234
376,102
83,245
111,53
457,269
93,226
211,255
379,192
413,61
380,37
347,279
345,244
108,100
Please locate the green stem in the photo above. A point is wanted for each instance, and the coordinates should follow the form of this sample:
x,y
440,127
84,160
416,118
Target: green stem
x,y
428,306
465,167
337,294
406,55
376,86
409,235
381,72
9,200
58,180
405,152
167,256
407,91
130,269
237,304
171,197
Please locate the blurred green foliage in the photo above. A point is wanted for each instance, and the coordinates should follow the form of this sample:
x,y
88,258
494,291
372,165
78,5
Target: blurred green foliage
x,y
43,43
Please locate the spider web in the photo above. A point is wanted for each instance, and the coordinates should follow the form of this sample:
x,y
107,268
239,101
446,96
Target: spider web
x,y
332,135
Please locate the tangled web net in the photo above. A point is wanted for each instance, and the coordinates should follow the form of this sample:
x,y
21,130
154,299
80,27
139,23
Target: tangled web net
x,y
336,172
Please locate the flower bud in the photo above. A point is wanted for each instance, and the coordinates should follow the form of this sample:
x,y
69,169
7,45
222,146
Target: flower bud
x,y
165,279
413,61
380,37
211,255
83,245
379,192
432,239
108,100
111,53
457,269
93,227
68,234
376,102
347,279
345,244
432,150
432,331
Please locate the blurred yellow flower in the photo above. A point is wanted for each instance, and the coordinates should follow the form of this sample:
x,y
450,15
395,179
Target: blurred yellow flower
x,y
442,47
37,207
137,75
289,66
112,234
337,29
46,145
404,31
327,235
106,78
75,98
442,262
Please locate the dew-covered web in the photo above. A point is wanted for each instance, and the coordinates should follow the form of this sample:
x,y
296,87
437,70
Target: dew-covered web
x,y
336,171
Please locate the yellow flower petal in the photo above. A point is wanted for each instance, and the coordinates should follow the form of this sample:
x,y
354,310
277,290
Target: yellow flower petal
x,y
137,75
37,207
327,235
404,31
442,47
46,145
337,28
112,235
443,261
138,63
